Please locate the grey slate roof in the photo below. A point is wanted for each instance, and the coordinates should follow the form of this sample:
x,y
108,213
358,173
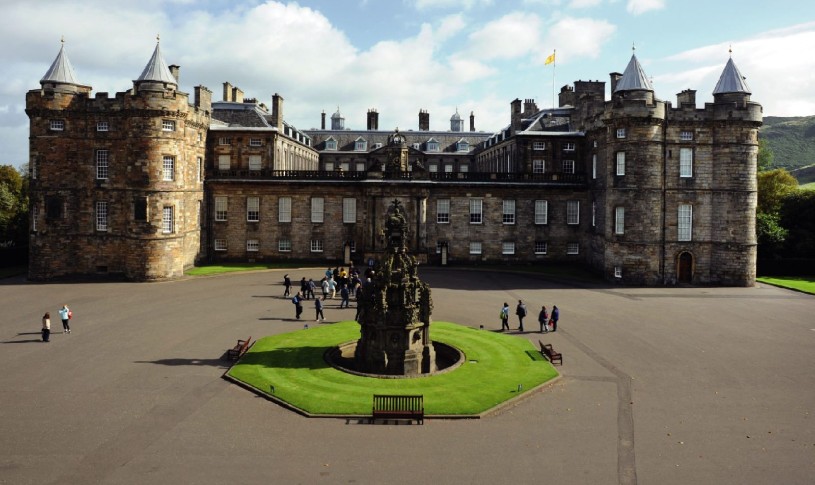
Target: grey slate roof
x,y
731,80
240,115
634,78
61,70
156,69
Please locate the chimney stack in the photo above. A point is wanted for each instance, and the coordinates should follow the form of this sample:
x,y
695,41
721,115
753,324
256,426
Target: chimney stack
x,y
373,120
615,77
424,120
203,98
515,116
277,111
472,121
237,95
175,70
227,91
322,120
686,97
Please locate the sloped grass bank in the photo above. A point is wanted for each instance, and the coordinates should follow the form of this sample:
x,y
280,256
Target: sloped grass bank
x,y
804,284
290,367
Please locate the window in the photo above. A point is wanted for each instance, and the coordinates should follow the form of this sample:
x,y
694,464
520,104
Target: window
x,y
686,162
508,213
443,211
316,246
168,168
224,162
284,245
619,220
349,211
541,247
475,247
620,132
345,166
360,145
568,166
220,244
433,168
539,145
439,245
317,204
329,166
252,245
167,125
360,166
254,162
593,214
508,247
618,271
537,166
462,146
224,140
101,164
200,162
572,248
568,147
140,209
200,136
572,212
594,167
101,216
432,145
475,211
331,144
35,212
541,212
684,224
102,126
686,136
57,125
54,208
464,168
221,208
253,209
167,220
620,163
594,144
284,209
255,142
353,246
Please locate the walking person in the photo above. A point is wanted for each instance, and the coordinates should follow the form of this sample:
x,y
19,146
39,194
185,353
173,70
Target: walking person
x,y
543,316
310,289
298,304
287,285
46,327
318,307
504,317
65,314
303,287
555,317
520,310
344,295
324,284
332,287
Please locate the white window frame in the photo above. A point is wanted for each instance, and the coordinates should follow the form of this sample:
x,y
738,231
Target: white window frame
x,y
432,146
360,145
317,210
443,211
686,162
284,245
102,164
220,245
101,216
253,209
573,248
284,209
594,166
508,247
224,162
541,212
618,271
508,211
448,168
349,210
539,145
541,247
462,146
464,167
224,140
568,166
538,166
56,125
475,247
252,245
620,132
316,245
168,168
221,207
255,142
619,220
168,219
686,135
433,168
572,212
569,147
684,223
360,166
167,125
102,126
255,162
200,163
476,211
620,164
331,144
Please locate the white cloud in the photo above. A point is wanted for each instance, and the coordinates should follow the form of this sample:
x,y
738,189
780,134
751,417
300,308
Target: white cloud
x,y
448,4
584,3
638,7
508,37
577,37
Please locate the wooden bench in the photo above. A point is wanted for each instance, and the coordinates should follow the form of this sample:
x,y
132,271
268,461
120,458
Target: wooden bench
x,y
551,354
398,407
239,349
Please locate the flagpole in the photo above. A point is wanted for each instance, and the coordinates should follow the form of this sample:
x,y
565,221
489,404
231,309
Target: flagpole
x,y
554,65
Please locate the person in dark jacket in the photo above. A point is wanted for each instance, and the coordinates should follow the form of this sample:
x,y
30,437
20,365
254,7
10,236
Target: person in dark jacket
x,y
318,306
543,316
287,285
555,317
298,304
520,310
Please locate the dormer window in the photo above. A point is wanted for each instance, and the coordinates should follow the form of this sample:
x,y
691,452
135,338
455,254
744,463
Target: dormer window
x,y
360,145
432,145
462,146
331,144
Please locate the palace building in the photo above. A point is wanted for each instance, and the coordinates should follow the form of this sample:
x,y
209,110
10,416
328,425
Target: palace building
x,y
151,181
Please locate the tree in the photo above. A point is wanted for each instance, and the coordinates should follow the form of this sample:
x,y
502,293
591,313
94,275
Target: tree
x,y
797,215
773,186
13,206
765,156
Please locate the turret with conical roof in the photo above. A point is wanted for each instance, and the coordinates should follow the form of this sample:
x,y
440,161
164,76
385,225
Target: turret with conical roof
x,y
732,86
156,75
61,76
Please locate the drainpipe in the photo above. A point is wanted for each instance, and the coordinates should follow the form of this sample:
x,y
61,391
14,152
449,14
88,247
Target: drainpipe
x,y
664,194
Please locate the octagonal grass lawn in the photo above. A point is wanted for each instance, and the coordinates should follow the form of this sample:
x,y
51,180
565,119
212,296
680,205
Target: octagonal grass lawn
x,y
290,367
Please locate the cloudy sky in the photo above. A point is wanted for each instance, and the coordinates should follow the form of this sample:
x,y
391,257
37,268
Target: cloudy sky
x,y
400,56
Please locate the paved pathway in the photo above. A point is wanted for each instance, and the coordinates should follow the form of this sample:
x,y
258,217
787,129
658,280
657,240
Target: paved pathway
x,y
677,385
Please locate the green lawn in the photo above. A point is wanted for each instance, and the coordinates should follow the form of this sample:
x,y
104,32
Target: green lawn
x,y
214,269
800,283
293,363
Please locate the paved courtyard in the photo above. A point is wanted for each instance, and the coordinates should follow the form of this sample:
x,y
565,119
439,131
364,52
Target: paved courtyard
x,y
668,386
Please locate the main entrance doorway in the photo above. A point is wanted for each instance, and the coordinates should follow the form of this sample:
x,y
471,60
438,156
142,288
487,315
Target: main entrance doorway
x,y
685,268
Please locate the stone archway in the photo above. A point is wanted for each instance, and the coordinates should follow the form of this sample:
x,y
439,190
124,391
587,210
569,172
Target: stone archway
x,y
684,267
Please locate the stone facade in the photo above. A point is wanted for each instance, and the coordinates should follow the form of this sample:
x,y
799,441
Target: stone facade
x,y
643,192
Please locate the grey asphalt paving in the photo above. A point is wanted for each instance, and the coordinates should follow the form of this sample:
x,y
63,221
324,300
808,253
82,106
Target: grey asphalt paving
x,y
660,385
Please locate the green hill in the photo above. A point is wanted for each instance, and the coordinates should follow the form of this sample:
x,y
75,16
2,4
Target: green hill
x,y
792,140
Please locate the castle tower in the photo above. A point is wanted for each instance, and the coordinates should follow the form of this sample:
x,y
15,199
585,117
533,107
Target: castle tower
x,y
119,182
337,121
456,123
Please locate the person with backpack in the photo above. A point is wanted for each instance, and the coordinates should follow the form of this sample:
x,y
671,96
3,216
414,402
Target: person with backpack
x,y
504,315
298,304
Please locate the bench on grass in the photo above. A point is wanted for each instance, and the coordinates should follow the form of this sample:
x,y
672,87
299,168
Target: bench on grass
x,y
550,353
398,407
239,349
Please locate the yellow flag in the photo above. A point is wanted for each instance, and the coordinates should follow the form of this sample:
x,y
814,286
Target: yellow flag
x,y
549,60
